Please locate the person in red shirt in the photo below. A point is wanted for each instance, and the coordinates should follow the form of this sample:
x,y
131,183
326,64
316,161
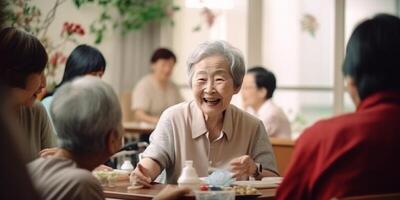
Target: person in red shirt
x,y
357,153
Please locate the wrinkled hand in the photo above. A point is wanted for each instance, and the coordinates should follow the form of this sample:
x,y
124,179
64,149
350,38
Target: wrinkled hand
x,y
172,193
242,166
140,176
48,152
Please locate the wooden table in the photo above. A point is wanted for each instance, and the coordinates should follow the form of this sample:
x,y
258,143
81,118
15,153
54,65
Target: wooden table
x,y
136,128
121,192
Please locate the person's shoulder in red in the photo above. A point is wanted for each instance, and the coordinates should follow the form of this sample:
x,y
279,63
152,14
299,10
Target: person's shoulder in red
x,y
306,160
349,154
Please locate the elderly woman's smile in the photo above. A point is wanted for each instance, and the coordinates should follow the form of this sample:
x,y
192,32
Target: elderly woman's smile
x,y
212,84
211,101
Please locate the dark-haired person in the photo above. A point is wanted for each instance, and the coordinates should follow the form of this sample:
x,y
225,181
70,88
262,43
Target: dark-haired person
x,y
257,91
23,60
84,60
14,178
358,153
15,181
156,92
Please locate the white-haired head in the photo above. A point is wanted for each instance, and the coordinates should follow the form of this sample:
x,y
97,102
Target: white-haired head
x,y
84,111
232,55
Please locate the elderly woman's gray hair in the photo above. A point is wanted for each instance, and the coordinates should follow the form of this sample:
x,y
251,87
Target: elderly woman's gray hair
x,y
84,111
232,55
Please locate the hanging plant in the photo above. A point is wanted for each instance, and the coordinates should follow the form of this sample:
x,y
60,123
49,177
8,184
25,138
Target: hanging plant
x,y
132,14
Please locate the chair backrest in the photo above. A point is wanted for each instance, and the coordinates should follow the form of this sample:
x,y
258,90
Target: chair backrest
x,y
125,101
391,196
283,149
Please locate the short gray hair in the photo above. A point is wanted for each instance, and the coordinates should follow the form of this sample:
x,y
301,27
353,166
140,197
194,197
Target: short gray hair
x,y
84,111
219,47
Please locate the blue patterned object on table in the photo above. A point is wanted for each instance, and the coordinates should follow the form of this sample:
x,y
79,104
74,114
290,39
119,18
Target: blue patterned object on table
x,y
220,178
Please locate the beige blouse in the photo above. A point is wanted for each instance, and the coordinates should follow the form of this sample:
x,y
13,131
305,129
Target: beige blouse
x,y
153,99
181,134
275,121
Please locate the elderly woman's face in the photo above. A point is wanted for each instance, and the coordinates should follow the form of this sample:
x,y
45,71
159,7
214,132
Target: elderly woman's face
x,y
212,85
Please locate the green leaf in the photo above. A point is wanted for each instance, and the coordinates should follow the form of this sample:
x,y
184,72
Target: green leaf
x,y
176,8
99,38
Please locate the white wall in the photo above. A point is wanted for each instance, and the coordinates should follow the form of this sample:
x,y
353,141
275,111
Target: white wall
x,y
230,25
359,10
110,47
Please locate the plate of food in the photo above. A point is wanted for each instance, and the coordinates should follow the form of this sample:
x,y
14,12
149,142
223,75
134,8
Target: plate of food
x,y
256,184
112,177
227,193
277,179
246,192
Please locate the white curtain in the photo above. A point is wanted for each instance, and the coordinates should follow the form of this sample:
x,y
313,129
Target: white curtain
x,y
136,50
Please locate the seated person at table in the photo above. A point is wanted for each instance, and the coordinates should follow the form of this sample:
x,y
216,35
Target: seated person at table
x,y
209,130
84,60
357,153
23,60
258,88
14,178
87,117
156,92
15,181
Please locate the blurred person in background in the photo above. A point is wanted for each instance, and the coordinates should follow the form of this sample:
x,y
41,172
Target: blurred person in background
x,y
156,92
258,88
84,60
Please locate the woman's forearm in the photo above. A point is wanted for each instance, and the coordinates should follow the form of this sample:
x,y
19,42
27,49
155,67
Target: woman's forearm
x,y
141,115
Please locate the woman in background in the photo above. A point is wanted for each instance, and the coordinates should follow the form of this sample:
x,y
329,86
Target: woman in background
x,y
156,92
84,60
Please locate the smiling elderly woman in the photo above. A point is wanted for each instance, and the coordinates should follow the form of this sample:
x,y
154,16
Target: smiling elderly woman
x,y
209,130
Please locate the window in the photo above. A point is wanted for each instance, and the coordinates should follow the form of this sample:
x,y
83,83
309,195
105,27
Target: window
x,y
302,42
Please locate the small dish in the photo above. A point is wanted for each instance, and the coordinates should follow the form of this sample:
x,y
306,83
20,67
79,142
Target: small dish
x,y
256,184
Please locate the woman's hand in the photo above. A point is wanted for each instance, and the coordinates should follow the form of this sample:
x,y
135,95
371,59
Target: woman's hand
x,y
48,152
242,166
140,176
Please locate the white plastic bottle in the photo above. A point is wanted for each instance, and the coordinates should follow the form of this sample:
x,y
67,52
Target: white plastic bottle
x,y
189,177
127,166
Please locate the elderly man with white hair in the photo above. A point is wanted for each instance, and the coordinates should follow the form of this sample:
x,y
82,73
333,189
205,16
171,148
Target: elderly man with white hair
x,y
87,116
209,130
